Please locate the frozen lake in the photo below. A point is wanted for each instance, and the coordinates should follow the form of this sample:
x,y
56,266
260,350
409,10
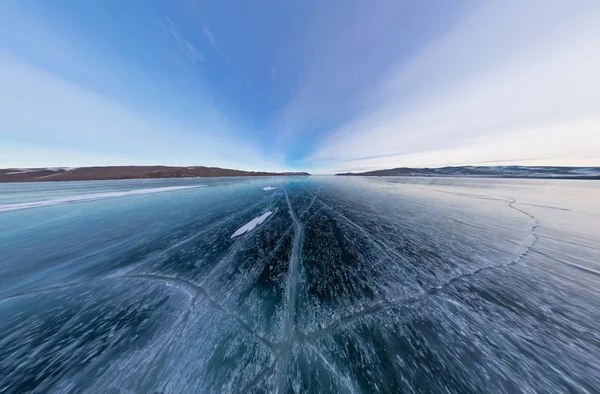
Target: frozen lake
x,y
319,284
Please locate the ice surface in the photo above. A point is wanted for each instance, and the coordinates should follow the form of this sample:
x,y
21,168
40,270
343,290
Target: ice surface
x,y
269,188
89,197
352,285
251,225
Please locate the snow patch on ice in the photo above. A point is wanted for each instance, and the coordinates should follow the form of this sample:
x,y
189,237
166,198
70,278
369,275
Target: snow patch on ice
x,y
269,188
251,225
21,171
89,197
26,170
61,168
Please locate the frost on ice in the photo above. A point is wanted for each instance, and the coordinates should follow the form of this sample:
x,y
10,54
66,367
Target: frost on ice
x,y
251,224
269,188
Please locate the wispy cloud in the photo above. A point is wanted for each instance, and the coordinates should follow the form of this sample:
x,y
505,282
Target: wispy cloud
x,y
40,110
183,43
346,53
483,92
210,37
320,88
79,104
96,110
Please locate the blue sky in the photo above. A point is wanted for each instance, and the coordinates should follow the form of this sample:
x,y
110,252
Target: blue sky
x,y
306,85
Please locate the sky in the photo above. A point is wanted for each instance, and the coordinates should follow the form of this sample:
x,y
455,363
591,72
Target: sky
x,y
319,86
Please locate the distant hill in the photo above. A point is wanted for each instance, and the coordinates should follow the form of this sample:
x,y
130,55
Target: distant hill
x,y
124,172
490,172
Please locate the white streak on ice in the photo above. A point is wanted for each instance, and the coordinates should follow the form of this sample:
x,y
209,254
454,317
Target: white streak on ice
x,y
89,197
27,170
251,224
18,172
269,188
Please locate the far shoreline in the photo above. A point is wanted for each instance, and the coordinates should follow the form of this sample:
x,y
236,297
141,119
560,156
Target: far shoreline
x,y
66,174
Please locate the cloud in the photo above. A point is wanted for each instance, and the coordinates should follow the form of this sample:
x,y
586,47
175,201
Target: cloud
x,y
210,37
40,112
67,100
346,51
183,43
507,83
362,86
551,147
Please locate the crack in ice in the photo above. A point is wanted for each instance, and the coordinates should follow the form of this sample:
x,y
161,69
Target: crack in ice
x,y
292,295
190,288
333,369
311,337
202,292
233,248
312,201
282,351
262,373
177,329
152,257
384,249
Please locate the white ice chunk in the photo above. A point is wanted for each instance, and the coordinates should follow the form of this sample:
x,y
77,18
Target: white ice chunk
x,y
251,225
89,197
268,188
